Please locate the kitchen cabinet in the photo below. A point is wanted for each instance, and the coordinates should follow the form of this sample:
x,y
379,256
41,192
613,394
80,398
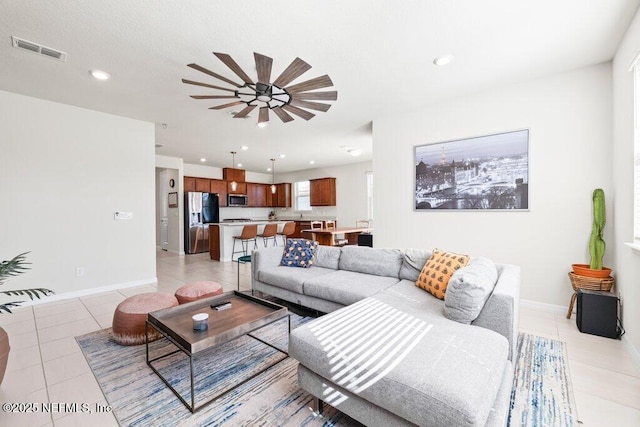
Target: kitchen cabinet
x,y
214,242
257,195
219,186
189,183
322,192
231,174
282,196
202,184
240,189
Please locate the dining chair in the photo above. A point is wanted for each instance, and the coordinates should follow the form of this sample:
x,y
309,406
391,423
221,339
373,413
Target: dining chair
x,y
330,225
362,223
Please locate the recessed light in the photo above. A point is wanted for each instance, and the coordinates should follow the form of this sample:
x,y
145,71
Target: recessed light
x,y
203,160
100,75
282,156
244,148
443,59
262,124
268,169
239,165
311,162
354,152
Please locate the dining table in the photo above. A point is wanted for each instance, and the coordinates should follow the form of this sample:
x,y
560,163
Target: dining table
x,y
327,236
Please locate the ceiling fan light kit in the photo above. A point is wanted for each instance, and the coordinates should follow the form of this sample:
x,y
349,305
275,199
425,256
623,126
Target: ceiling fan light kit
x,y
277,96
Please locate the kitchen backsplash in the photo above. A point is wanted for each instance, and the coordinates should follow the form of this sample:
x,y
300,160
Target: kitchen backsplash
x,y
319,212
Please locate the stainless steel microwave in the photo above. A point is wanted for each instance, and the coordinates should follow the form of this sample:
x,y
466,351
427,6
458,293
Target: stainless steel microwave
x,y
237,200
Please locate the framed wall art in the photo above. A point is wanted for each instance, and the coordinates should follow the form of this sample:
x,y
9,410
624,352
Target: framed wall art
x,y
488,172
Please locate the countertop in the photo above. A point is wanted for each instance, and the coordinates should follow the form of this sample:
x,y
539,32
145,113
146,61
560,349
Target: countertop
x,y
257,222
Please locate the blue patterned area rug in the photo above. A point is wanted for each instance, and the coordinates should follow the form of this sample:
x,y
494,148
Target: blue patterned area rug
x,y
541,396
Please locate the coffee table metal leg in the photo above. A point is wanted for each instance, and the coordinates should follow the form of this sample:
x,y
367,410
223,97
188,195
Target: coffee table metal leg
x,y
193,399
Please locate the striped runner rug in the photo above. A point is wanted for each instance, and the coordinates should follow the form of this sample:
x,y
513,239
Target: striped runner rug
x,y
542,394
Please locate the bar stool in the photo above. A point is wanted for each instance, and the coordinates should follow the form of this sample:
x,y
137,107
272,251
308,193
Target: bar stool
x,y
269,232
249,233
288,229
330,225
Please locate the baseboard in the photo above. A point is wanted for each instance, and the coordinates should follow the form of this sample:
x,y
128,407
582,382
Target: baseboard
x,y
549,308
633,351
92,291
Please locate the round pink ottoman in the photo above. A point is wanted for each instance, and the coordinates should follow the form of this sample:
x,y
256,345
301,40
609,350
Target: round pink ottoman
x,y
197,290
131,314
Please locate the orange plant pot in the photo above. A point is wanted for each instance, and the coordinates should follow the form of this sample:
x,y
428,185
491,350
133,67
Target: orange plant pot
x,y
585,271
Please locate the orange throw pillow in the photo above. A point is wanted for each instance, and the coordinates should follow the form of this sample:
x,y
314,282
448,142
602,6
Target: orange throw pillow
x,y
437,271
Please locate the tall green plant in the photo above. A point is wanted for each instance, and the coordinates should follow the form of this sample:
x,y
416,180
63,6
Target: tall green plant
x,y
597,245
14,267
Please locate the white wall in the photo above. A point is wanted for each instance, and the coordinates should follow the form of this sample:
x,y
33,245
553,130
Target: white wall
x,y
570,154
351,192
64,171
626,261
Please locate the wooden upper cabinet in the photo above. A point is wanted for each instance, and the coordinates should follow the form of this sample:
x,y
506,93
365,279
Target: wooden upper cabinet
x,y
240,189
189,183
219,186
257,195
202,184
322,192
231,174
282,197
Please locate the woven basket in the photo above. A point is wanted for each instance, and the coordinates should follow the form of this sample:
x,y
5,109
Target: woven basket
x,y
590,283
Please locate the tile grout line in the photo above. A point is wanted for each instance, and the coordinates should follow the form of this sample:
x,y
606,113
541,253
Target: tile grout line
x,y
44,375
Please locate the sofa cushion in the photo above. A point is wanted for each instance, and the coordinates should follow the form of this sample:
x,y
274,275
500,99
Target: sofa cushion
x,y
299,253
468,290
362,259
291,279
435,274
413,363
327,257
346,287
412,263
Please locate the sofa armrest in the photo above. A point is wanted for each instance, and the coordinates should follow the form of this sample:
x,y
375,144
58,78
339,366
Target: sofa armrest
x,y
263,258
500,312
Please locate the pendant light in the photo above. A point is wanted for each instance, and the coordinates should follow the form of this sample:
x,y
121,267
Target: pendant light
x,y
234,185
273,176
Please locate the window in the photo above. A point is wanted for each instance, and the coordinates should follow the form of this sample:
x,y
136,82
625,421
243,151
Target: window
x,y
369,194
302,199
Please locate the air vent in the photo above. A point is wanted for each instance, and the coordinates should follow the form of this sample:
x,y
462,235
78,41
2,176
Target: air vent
x,y
37,48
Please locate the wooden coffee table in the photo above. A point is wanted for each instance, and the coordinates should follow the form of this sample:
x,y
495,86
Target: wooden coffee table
x,y
246,315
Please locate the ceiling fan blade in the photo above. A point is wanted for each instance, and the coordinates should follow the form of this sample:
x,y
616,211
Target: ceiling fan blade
x,y
299,112
233,65
325,96
297,68
311,105
231,104
263,66
245,112
263,116
212,74
317,83
282,115
213,96
191,82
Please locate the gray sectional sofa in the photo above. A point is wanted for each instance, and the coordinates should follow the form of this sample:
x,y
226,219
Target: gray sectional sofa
x,y
386,354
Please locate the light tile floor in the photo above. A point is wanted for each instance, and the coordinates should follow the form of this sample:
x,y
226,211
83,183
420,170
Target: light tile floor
x,y
47,366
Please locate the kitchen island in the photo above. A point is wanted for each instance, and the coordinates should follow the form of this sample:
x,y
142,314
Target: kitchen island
x,y
221,237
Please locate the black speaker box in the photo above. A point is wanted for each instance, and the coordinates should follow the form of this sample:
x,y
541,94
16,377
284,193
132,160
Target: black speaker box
x,y
597,313
365,239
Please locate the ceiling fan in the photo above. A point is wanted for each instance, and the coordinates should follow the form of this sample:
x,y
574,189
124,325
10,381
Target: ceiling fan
x,y
266,95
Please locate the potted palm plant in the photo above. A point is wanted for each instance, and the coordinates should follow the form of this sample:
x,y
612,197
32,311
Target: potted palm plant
x,y
10,268
597,245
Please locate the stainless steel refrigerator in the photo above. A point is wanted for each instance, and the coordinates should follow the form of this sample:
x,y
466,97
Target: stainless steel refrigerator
x,y
200,209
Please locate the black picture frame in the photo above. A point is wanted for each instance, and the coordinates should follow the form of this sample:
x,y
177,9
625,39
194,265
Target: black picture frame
x,y
489,173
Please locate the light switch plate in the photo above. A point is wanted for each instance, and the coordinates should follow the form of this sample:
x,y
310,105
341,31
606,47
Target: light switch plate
x,y
122,215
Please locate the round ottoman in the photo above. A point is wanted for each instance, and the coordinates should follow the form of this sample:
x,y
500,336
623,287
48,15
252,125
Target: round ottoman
x,y
131,314
197,290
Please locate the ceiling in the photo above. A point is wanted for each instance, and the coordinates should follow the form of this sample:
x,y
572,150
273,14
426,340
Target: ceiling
x,y
378,53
